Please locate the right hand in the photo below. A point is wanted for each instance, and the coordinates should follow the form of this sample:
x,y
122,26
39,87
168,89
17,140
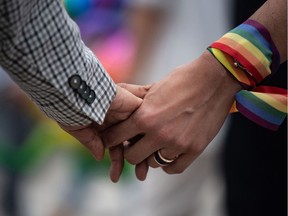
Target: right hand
x,y
123,105
179,115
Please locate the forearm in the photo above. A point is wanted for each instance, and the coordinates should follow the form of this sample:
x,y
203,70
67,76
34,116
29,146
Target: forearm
x,y
41,49
273,15
251,52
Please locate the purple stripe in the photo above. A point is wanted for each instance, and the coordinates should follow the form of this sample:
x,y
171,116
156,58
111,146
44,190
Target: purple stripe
x,y
260,107
256,34
276,56
253,117
260,28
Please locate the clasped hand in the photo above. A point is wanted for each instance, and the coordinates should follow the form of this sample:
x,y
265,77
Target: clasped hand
x,y
177,116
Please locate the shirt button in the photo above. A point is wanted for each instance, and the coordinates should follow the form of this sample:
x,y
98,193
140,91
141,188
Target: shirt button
x,y
91,98
82,87
86,93
75,81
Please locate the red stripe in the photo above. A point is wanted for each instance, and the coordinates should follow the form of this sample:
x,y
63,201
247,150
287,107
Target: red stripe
x,y
271,90
258,77
245,51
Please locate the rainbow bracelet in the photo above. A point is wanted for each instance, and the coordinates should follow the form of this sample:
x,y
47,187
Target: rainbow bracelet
x,y
250,55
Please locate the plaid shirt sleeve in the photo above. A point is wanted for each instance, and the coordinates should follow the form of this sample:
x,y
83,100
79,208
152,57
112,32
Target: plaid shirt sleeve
x,y
41,49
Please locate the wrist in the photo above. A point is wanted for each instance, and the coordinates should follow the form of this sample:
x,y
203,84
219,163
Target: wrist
x,y
228,82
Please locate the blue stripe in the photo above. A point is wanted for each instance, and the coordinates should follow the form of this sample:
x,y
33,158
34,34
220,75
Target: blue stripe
x,y
254,31
240,98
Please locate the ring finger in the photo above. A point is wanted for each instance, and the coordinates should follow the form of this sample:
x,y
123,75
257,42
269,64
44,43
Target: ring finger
x,y
162,157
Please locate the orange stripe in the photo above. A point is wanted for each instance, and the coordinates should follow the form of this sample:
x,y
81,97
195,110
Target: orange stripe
x,y
233,108
228,62
239,73
261,69
232,52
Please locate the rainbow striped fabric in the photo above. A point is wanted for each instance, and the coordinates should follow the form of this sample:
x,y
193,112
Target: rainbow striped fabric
x,y
249,54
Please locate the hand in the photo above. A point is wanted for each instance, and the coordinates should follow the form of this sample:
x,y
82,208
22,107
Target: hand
x,y
179,115
120,109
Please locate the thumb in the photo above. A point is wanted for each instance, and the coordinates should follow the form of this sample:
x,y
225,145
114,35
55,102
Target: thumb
x,y
124,101
137,90
89,137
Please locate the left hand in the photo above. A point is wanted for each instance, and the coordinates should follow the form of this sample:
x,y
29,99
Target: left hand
x,y
123,105
180,115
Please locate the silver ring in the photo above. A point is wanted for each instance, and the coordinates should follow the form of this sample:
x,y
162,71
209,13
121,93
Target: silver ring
x,y
162,161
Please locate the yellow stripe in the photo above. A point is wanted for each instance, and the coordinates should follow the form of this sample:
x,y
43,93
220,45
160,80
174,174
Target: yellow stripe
x,y
238,73
279,102
251,48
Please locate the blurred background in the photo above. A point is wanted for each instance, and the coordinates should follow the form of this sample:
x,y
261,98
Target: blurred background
x,y
45,172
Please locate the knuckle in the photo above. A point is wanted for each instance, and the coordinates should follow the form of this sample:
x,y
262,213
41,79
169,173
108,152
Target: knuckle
x,y
88,142
181,144
173,170
168,171
129,158
166,136
153,166
131,161
144,120
197,149
122,85
152,163
178,170
108,139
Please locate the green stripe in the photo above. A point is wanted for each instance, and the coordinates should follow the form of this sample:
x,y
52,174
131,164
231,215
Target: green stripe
x,y
249,96
268,54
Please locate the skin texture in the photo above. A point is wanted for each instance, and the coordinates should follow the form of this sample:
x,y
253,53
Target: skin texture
x,y
122,106
182,113
273,15
175,116
179,115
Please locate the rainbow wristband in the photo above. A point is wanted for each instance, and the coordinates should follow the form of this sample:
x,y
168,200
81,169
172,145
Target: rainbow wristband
x,y
250,55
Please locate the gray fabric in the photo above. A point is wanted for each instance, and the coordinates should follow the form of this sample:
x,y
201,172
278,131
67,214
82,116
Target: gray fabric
x,y
41,48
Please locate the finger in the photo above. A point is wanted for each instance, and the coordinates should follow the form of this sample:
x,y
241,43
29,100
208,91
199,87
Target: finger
x,y
124,102
141,170
146,147
137,90
117,162
119,133
96,147
152,162
141,150
180,164
89,138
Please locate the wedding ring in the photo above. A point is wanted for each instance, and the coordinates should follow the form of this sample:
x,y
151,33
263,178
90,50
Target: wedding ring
x,y
162,161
